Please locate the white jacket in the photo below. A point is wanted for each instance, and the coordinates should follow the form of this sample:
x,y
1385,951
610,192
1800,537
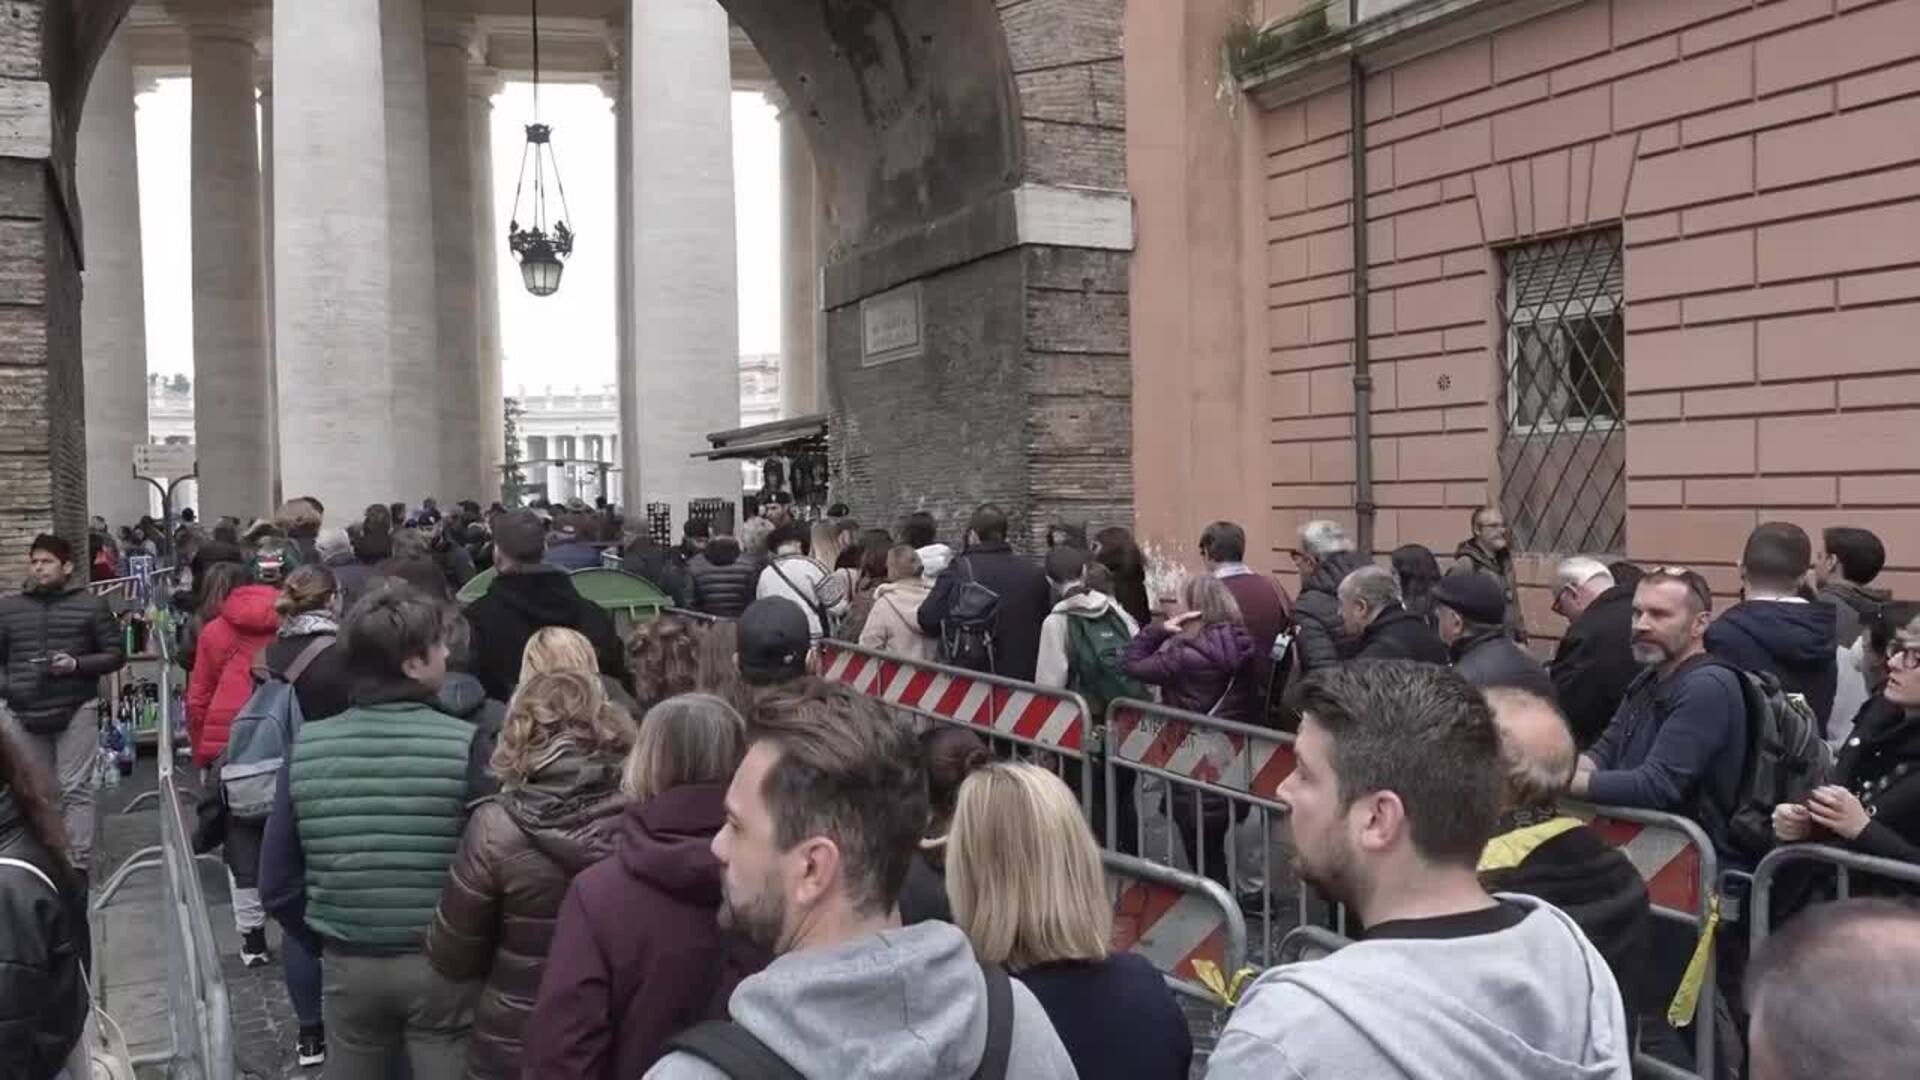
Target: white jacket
x,y
1051,668
893,625
807,583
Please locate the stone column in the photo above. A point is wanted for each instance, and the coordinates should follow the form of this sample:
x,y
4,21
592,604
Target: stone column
x,y
113,329
799,269
456,280
231,387
489,241
418,390
686,362
264,76
618,87
331,256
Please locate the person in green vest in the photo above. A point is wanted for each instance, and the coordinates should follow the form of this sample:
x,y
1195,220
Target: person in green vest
x,y
366,823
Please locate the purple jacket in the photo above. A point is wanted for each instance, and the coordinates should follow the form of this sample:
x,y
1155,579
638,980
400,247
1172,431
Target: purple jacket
x,y
1207,672
637,957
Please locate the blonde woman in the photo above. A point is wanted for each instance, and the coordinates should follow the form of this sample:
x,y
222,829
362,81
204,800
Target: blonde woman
x,y
558,648
894,623
1026,885
560,759
637,955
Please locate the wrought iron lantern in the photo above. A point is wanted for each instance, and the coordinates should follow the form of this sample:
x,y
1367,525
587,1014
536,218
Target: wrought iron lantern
x,y
546,241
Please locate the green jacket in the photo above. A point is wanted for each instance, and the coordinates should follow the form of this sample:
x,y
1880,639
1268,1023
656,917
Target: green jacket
x,y
380,798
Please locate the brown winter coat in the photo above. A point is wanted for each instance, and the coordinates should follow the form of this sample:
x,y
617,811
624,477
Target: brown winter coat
x,y
520,851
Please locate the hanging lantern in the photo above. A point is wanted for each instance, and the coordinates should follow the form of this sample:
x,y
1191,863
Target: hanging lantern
x,y
543,245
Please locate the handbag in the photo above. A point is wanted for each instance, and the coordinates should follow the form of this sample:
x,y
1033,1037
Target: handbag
x,y
102,1048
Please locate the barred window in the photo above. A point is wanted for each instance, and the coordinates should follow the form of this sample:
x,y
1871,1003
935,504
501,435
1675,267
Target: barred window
x,y
1563,355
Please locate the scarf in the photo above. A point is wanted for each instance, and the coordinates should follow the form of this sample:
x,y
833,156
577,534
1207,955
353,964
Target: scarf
x,y
310,622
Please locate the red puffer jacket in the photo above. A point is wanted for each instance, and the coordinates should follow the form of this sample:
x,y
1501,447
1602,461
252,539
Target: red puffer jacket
x,y
223,667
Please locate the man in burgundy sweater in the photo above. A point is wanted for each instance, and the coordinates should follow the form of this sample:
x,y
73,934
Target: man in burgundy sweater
x,y
1264,605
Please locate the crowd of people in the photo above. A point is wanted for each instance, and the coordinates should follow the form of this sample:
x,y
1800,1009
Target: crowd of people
x,y
506,840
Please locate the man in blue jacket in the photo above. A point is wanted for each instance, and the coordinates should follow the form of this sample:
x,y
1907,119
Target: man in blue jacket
x,y
1776,629
1678,741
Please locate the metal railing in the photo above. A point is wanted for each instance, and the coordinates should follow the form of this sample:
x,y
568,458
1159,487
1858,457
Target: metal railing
x,y
1175,920
198,1009
1844,863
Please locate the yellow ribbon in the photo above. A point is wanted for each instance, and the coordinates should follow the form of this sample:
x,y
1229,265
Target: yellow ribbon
x,y
1686,1000
1216,984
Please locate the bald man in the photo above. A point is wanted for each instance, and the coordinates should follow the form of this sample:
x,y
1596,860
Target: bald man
x,y
1835,993
1538,851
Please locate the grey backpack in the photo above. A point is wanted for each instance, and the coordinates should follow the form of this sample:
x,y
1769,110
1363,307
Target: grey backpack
x,y
262,733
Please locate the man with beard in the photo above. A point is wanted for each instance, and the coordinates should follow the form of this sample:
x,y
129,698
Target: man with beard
x,y
1489,552
1679,739
1397,787
823,818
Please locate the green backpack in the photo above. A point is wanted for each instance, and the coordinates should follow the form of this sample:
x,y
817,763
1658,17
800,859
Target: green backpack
x,y
1095,651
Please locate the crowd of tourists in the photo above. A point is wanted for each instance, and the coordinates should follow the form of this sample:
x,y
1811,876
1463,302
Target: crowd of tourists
x,y
505,840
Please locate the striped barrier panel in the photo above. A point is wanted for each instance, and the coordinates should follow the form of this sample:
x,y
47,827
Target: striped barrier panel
x,y
1049,719
1225,756
1673,855
1179,922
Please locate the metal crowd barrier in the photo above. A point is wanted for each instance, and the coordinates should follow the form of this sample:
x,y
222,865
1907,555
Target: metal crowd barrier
x,y
199,1014
1175,920
1038,718
1682,874
1844,863
1309,943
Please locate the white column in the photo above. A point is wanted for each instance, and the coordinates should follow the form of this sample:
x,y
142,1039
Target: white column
x,y
264,76
113,328
231,387
331,255
488,241
618,86
686,363
800,270
456,280
415,327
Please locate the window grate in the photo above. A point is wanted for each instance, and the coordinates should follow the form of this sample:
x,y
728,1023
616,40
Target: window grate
x,y
1563,356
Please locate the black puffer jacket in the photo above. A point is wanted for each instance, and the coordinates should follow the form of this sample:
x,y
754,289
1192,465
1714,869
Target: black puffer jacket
x,y
529,599
1491,658
1318,610
324,687
40,622
44,942
723,583
1399,634
1593,664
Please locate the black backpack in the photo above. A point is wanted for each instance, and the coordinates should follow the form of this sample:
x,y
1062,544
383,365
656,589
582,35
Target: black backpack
x,y
741,1055
1786,759
966,634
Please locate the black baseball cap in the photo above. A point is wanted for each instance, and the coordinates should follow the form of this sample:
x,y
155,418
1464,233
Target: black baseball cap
x,y
774,639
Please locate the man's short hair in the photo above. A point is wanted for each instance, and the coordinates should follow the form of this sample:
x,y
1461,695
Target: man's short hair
x,y
1225,542
920,530
1860,553
1065,564
793,532
1576,571
520,535
1374,586
1699,592
55,546
848,772
1479,513
1421,732
1834,993
1539,769
391,624
988,525
696,529
1323,538
1778,553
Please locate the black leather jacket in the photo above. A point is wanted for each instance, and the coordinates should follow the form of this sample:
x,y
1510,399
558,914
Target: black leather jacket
x,y
38,623
44,941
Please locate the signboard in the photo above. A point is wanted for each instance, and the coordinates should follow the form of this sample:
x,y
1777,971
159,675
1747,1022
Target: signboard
x,y
165,461
890,326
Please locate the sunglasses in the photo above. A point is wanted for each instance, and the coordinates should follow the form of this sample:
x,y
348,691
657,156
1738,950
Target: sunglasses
x,y
1695,582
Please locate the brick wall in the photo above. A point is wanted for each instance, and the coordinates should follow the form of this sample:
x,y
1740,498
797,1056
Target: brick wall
x,y
1763,160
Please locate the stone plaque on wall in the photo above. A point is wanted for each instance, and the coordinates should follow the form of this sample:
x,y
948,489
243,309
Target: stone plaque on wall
x,y
891,326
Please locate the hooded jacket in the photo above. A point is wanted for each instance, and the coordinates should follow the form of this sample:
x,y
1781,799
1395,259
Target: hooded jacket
x,y
37,623
1054,665
637,956
893,623
1593,665
1207,672
723,582
461,695
1318,610
1471,558
1854,606
910,1002
520,853
1490,659
1793,641
1532,1002
527,599
1399,634
222,679
1025,599
44,944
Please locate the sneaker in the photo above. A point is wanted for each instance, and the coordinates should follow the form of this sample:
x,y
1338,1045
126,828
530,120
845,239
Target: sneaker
x,y
253,948
311,1050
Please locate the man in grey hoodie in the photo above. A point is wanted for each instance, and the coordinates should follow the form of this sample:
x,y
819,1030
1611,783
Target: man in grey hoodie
x,y
823,817
1397,788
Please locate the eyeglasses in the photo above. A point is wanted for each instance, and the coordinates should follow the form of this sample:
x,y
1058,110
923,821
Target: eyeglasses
x,y
1903,656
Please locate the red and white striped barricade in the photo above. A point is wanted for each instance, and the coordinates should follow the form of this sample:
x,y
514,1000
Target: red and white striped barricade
x,y
1181,923
1033,716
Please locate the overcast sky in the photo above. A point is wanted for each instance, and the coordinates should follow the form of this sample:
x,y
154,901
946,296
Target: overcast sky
x,y
560,340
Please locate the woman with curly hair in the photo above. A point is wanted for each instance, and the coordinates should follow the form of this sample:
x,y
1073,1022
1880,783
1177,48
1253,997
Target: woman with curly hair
x,y
663,657
558,648
559,763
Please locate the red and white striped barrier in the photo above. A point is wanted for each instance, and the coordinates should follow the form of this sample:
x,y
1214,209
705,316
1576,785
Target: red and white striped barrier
x,y
1673,858
1175,920
1052,719
1227,755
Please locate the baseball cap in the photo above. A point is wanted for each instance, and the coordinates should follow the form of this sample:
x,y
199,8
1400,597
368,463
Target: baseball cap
x,y
774,639
1477,597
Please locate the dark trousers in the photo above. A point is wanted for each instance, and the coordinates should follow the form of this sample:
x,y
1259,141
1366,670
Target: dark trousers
x,y
375,1005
